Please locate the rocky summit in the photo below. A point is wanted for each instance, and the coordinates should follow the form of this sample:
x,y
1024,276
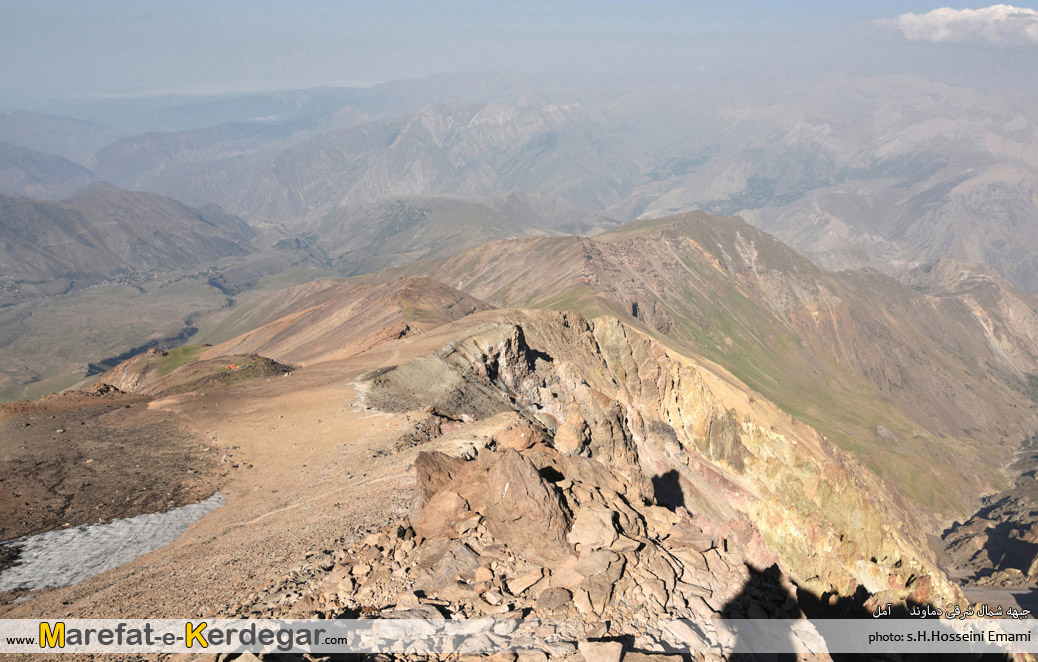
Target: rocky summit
x,y
579,475
596,367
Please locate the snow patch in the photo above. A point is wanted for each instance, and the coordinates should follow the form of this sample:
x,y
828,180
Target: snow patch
x,y
60,558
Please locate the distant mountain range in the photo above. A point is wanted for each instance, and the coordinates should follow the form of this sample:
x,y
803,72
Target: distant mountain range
x,y
888,172
103,231
71,139
901,172
27,172
288,172
365,237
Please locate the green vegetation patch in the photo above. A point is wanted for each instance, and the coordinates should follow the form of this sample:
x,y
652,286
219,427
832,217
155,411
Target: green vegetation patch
x,y
175,358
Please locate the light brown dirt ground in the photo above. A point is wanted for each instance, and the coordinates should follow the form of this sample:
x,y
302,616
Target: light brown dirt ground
x,y
309,480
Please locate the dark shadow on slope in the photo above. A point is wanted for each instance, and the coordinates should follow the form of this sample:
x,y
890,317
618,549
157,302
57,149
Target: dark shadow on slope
x,y
1005,548
1002,535
764,596
666,490
1027,600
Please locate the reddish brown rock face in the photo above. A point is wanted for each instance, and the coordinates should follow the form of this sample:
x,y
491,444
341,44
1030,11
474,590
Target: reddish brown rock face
x,y
432,472
519,437
524,512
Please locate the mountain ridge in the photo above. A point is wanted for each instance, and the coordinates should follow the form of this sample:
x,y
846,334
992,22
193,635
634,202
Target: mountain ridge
x,y
855,354
103,230
361,238
29,173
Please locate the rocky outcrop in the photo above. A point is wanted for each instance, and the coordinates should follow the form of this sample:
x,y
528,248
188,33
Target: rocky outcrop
x,y
136,372
327,320
598,486
158,372
614,396
576,552
618,475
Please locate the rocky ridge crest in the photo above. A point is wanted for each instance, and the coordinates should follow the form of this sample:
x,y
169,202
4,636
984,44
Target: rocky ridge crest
x,y
598,484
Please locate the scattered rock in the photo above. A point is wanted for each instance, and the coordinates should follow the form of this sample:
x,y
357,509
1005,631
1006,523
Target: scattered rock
x,y
601,651
554,599
524,581
593,527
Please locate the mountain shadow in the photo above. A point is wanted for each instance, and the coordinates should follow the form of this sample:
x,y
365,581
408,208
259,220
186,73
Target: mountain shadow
x,y
764,596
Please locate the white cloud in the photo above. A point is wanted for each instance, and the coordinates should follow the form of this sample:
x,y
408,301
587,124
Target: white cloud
x,y
997,25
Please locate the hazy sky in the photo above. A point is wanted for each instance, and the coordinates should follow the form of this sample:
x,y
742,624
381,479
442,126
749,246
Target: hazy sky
x,y
87,47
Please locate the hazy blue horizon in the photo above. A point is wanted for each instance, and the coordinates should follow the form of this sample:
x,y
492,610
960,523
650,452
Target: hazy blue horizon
x,y
115,49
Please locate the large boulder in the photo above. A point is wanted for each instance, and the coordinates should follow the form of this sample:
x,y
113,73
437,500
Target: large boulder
x,y
524,512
